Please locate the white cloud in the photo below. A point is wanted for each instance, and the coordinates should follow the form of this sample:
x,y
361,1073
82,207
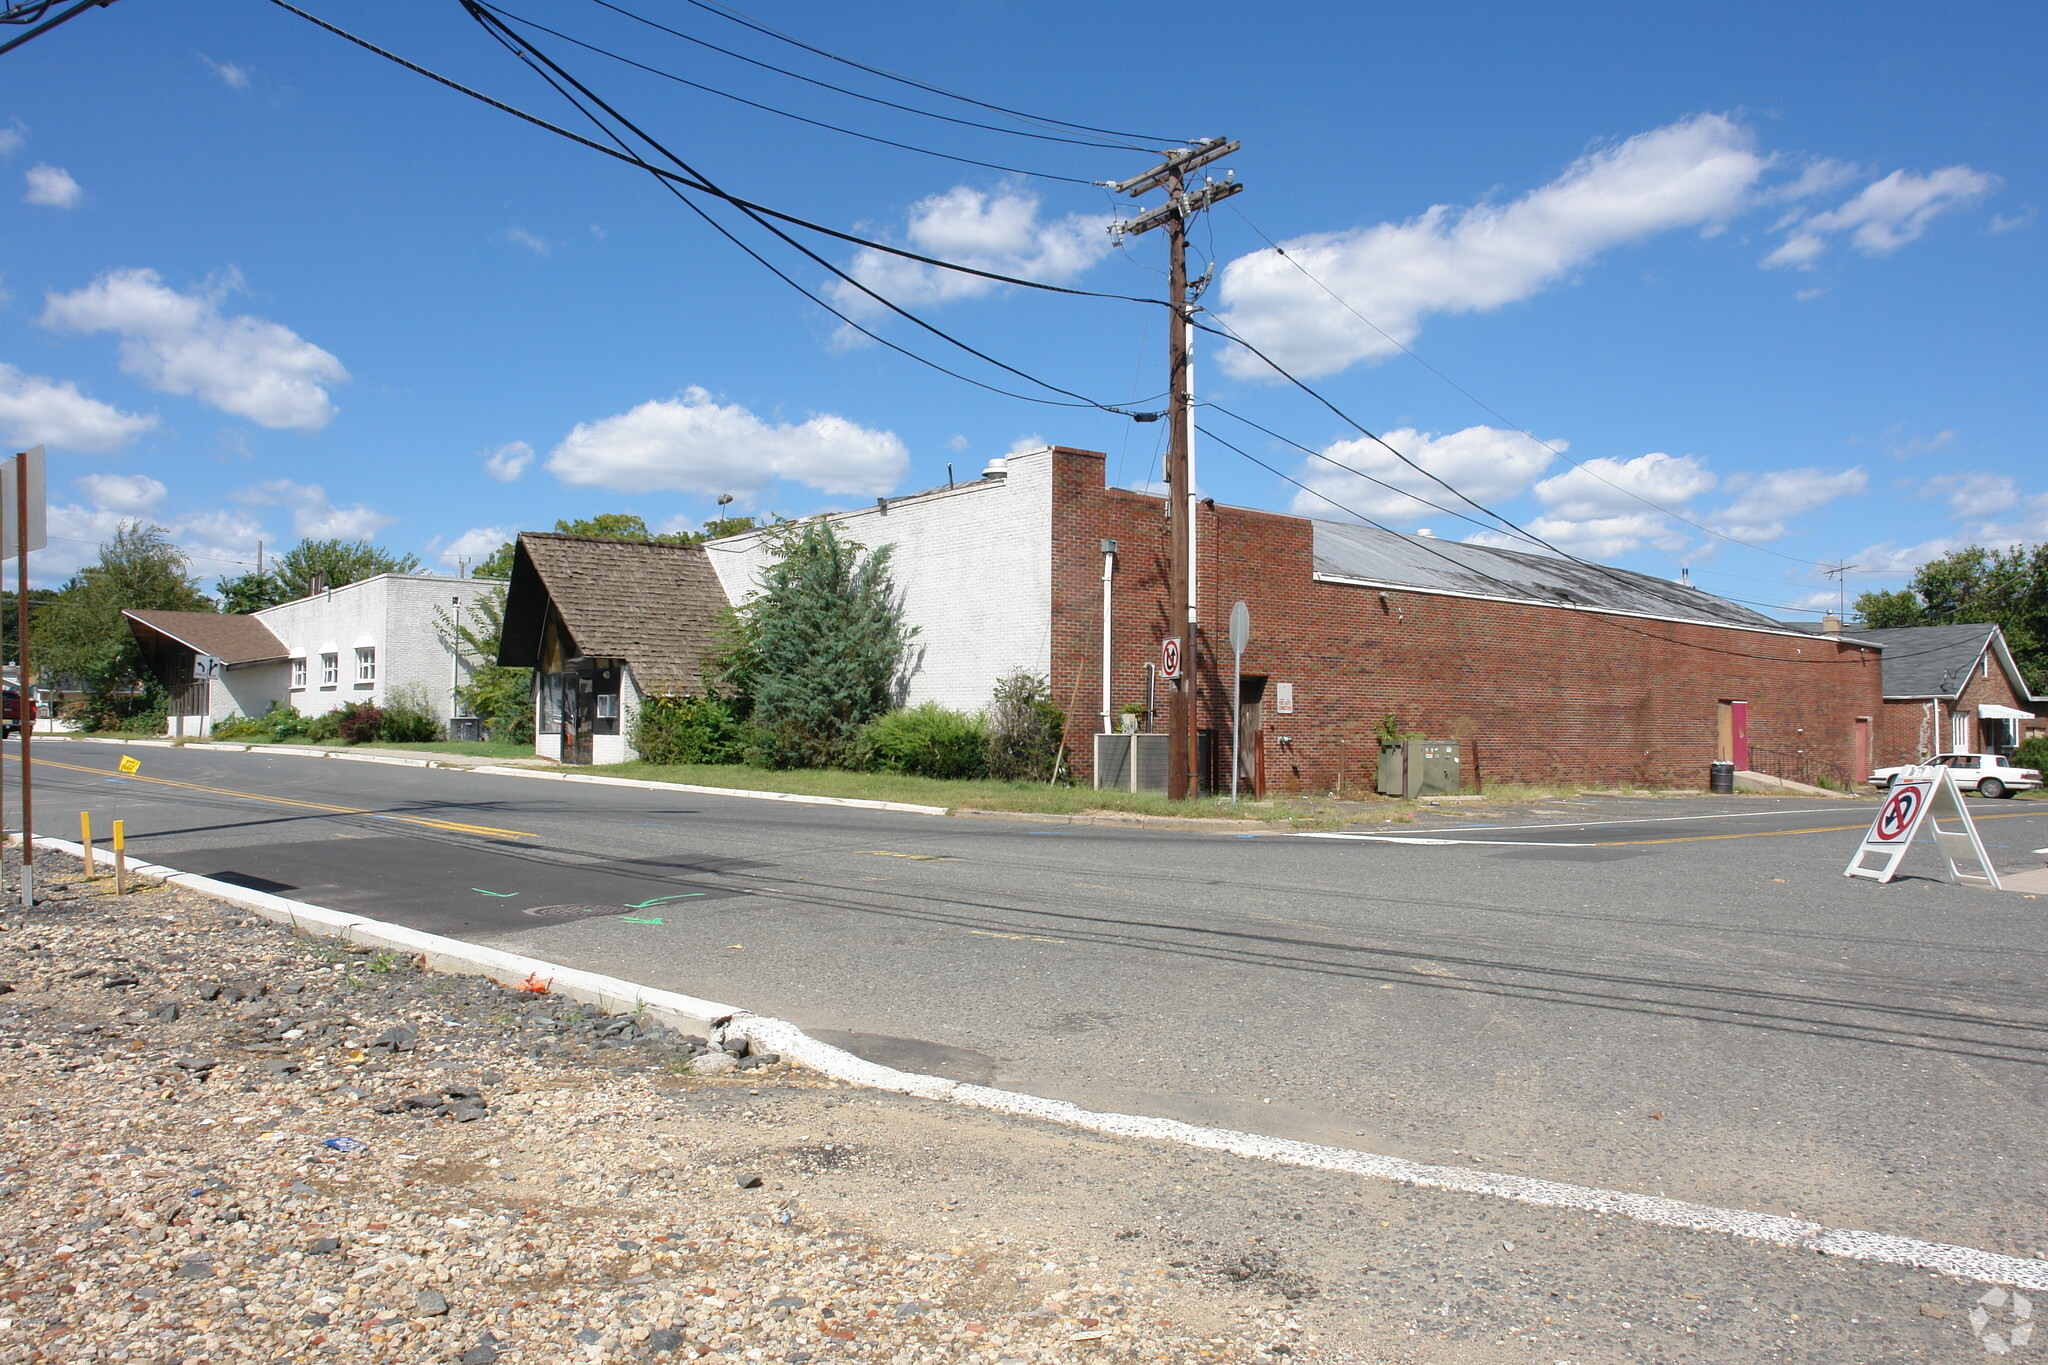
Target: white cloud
x,y
1603,487
130,495
519,236
1886,560
2012,222
1769,500
181,343
693,444
998,231
1820,175
1973,495
52,187
232,76
1885,215
508,461
13,138
1699,171
1487,463
957,443
313,514
1032,442
1918,445
474,544
1601,537
38,411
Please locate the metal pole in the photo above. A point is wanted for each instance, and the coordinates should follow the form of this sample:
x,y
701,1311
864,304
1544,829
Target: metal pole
x,y
1236,715
1108,573
120,860
27,707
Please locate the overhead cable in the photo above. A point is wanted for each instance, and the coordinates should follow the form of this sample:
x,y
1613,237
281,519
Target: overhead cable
x,y
784,113
736,17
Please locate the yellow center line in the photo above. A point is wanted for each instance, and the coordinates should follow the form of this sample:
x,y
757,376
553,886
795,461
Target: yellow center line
x,y
453,825
1775,833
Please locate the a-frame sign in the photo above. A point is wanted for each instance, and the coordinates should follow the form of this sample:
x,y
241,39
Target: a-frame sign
x,y
1923,796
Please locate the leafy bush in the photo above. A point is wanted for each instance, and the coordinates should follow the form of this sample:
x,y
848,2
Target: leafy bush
x,y
1024,728
324,728
925,741
284,722
688,730
408,717
241,727
2032,753
143,713
359,722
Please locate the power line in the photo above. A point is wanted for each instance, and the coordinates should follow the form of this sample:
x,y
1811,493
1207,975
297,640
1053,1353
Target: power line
x,y
735,17
1412,354
785,113
524,47
872,99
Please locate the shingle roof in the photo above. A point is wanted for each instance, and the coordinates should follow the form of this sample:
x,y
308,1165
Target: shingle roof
x,y
1928,661
230,638
1427,564
655,606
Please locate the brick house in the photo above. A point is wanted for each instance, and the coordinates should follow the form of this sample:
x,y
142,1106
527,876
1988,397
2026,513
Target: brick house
x,y
1952,689
357,642
1547,670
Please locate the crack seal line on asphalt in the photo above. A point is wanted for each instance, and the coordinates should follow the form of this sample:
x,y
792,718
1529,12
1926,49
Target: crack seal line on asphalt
x,y
616,995
454,825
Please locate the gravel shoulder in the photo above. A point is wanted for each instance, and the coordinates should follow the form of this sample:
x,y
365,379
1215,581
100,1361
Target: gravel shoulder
x,y
221,1142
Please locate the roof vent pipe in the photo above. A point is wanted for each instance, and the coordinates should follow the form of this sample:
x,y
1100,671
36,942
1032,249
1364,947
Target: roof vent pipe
x,y
998,468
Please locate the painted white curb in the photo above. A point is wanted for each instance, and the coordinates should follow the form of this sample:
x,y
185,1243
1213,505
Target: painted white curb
x,y
776,1035
494,770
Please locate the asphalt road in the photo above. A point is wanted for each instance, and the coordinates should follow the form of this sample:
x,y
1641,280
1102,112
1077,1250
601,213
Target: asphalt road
x,y
1673,996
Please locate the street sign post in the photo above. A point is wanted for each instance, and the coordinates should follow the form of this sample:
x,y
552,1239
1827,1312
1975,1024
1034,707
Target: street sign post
x,y
1240,636
1923,796
24,526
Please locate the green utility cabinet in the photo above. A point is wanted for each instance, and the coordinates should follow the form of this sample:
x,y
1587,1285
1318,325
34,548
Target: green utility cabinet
x,y
1420,767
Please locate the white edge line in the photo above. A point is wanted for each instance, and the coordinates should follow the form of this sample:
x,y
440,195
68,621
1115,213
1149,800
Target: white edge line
x,y
1434,843
493,770
615,994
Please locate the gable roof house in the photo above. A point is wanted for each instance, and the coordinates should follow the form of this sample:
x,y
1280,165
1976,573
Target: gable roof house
x,y
1546,669
605,624
1952,689
359,642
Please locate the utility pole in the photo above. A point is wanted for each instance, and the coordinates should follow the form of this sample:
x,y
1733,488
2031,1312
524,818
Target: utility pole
x,y
1182,750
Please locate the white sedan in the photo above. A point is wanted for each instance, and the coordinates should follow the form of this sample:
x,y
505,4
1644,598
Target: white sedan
x,y
1984,774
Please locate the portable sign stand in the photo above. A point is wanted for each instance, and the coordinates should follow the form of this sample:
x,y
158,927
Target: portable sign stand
x,y
1923,796
24,526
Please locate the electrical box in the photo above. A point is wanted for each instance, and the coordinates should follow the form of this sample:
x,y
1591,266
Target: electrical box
x,y
1420,767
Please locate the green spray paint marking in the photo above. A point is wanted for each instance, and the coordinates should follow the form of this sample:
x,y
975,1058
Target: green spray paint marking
x,y
504,894
628,919
683,896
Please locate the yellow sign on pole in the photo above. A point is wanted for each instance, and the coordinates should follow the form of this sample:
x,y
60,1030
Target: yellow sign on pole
x,y
130,764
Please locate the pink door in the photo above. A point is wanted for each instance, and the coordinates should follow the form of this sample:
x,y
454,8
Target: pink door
x,y
1738,733
1862,749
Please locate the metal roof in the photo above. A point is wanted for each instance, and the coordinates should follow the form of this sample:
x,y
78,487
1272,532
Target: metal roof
x,y
1425,564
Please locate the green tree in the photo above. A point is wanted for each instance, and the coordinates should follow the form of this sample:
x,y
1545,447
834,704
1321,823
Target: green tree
x,y
81,633
619,526
343,561
252,591
2007,588
10,606
815,653
502,696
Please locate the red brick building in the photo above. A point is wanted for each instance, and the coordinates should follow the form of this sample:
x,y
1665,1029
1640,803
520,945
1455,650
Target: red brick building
x,y
1545,669
1952,689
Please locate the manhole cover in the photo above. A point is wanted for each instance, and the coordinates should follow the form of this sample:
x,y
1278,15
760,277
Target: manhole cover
x,y
573,911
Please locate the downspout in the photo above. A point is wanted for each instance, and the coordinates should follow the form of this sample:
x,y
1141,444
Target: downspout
x,y
1108,603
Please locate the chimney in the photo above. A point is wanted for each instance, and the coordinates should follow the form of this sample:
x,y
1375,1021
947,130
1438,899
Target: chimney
x,y
1831,624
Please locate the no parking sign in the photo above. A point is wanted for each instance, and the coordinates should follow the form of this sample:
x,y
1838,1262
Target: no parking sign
x,y
1918,795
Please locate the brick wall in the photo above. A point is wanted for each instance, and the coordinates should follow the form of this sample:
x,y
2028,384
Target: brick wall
x,y
1541,694
1916,728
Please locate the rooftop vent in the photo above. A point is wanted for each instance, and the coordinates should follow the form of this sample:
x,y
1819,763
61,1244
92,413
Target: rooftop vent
x,y
998,468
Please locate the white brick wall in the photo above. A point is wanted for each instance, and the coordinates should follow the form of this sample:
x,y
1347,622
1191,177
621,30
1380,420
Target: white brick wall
x,y
396,615
974,566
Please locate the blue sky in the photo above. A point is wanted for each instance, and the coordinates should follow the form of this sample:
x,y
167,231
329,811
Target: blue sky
x,y
1768,272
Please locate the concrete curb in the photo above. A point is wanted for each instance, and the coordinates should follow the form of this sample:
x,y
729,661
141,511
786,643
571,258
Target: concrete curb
x,y
614,994
546,775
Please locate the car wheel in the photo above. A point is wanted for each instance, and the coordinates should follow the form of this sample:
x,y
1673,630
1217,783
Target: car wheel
x,y
1992,788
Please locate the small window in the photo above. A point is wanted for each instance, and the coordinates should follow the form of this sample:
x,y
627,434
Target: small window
x,y
366,664
298,673
330,669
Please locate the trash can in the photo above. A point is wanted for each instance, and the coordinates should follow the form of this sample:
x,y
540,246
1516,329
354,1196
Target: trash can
x,y
1721,779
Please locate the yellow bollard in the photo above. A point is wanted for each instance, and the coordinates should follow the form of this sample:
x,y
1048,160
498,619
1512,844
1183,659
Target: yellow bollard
x,y
120,862
85,840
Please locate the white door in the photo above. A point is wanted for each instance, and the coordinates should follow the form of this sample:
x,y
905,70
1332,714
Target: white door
x,y
1959,734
